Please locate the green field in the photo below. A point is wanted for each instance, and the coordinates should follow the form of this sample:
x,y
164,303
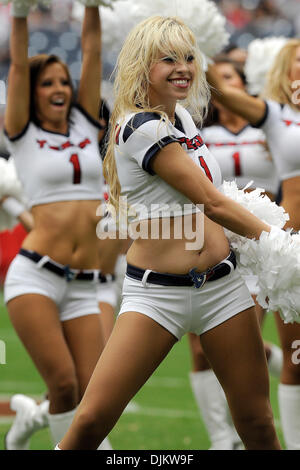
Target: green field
x,y
165,415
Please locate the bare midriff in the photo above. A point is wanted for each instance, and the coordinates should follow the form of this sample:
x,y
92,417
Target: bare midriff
x,y
66,232
178,256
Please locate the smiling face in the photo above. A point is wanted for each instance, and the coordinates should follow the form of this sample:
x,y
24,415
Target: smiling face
x,y
230,76
170,81
53,95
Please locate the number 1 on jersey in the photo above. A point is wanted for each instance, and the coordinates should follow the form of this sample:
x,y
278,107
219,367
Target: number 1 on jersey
x,y
77,170
237,164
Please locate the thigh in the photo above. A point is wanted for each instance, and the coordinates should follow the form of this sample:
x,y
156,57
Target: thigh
x,y
85,341
36,321
236,352
134,350
107,318
288,333
198,357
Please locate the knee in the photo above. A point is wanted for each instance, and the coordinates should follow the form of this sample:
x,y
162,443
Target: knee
x,y
257,431
63,389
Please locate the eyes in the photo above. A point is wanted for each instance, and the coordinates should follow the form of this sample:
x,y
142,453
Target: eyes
x,y
172,60
49,83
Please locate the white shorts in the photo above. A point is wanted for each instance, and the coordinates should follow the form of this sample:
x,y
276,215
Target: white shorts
x,y
251,282
73,299
186,309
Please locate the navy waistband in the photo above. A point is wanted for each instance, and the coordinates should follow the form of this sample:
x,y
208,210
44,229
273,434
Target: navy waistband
x,y
193,278
65,271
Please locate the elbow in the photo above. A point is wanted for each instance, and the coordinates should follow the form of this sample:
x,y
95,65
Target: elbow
x,y
213,209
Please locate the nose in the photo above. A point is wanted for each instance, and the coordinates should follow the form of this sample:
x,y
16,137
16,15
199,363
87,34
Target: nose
x,y
182,66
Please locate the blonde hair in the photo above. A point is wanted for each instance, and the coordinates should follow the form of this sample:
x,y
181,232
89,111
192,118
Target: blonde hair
x,y
150,38
278,82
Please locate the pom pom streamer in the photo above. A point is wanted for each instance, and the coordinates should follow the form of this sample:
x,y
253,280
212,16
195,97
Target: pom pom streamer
x,y
260,58
9,186
97,3
27,3
274,258
202,16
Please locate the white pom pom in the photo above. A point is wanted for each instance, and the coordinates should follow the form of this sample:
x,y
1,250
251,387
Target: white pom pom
x,y
97,3
10,185
26,4
202,16
274,258
260,58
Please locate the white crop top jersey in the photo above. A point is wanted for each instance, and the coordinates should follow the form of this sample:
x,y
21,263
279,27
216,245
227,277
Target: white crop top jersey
x,y
141,135
242,156
281,124
57,167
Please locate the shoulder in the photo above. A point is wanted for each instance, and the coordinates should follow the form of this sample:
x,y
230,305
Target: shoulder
x,y
79,114
135,121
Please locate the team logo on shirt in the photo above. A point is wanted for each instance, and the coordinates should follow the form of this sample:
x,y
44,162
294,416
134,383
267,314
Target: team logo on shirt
x,y
191,144
45,144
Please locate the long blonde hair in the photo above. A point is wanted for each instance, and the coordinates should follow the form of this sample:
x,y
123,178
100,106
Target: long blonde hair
x,y
155,35
278,83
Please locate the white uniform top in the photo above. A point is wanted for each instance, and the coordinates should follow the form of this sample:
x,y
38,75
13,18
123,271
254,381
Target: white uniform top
x,y
281,126
56,167
242,156
141,135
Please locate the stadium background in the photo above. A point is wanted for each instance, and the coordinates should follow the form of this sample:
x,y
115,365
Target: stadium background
x,y
164,414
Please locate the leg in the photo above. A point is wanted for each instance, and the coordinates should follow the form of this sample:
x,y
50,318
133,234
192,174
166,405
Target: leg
x,y
211,400
84,338
107,319
229,347
273,352
289,388
36,321
139,344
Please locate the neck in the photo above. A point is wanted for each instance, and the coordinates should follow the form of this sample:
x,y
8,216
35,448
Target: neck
x,y
232,121
59,127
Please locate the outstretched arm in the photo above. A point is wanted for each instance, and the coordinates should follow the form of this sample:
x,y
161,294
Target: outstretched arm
x,y
185,176
90,81
236,100
18,97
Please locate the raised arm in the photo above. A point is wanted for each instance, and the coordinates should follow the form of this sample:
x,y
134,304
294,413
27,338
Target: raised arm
x,y
185,176
18,96
235,99
90,81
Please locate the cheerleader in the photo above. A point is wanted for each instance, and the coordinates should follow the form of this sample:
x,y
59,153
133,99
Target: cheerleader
x,y
156,158
278,115
50,288
242,154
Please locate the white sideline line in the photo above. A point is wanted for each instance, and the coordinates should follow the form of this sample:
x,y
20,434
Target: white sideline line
x,y
170,413
168,382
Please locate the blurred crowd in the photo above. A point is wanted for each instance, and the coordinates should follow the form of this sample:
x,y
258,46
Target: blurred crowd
x,y
57,31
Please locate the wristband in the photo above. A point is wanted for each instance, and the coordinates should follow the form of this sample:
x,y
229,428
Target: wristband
x,y
13,207
20,9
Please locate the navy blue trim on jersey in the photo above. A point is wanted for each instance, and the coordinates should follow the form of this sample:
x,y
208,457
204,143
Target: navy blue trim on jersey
x,y
178,124
89,117
261,122
146,165
138,120
14,138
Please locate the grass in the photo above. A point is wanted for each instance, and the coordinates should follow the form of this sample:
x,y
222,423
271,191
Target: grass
x,y
167,416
